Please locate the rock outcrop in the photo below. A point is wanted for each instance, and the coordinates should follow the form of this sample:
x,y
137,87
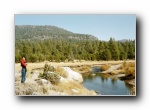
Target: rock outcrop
x,y
72,75
38,86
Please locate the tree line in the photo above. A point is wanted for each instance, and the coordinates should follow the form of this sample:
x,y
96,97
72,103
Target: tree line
x,y
61,50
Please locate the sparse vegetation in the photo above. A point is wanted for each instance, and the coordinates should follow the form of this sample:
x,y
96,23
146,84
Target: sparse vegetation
x,y
50,43
53,74
30,89
128,68
74,88
85,68
26,89
54,78
133,90
61,72
104,67
48,68
58,70
49,74
55,87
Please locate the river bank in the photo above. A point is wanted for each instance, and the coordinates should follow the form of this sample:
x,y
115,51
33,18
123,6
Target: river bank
x,y
124,71
84,68
61,82
70,64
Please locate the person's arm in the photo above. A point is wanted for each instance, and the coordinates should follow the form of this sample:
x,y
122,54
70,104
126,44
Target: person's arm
x,y
22,63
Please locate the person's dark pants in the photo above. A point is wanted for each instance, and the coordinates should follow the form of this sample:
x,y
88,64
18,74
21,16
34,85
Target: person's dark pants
x,y
23,76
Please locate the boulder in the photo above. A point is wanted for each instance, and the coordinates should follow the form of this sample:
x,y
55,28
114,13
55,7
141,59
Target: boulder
x,y
72,75
63,79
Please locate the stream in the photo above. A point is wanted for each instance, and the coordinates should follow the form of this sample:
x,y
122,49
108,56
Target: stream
x,y
105,86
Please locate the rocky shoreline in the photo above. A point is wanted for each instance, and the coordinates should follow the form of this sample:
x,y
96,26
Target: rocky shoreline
x,y
35,86
114,71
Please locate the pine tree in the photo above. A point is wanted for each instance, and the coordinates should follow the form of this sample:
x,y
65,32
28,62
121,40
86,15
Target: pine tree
x,y
106,55
122,52
113,47
131,53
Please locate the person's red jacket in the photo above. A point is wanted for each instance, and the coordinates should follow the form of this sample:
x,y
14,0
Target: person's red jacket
x,y
23,63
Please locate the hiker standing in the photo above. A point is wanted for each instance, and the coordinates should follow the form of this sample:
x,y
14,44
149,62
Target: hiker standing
x,y
24,69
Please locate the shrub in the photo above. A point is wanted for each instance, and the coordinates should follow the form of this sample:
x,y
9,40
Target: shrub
x,y
40,75
58,70
49,74
104,67
85,68
129,68
48,68
133,90
54,78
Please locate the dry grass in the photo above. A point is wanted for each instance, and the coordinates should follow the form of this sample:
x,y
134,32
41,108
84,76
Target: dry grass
x,y
29,89
17,78
133,90
32,87
28,75
85,68
41,64
54,77
128,68
24,89
70,88
61,72
104,67
74,88
115,72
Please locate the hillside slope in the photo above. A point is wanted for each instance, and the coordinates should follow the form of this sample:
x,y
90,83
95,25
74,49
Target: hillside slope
x,y
48,32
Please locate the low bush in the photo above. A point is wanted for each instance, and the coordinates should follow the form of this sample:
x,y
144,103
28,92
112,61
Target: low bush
x,y
52,74
104,67
129,68
48,68
54,78
85,68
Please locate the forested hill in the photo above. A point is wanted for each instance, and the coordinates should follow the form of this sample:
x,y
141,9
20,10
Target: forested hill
x,y
48,32
40,43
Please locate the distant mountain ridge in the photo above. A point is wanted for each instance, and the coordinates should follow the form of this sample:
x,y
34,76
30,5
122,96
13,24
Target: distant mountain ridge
x,y
126,40
48,32
123,40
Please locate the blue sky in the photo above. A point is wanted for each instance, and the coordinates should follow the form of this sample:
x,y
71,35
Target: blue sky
x,y
101,26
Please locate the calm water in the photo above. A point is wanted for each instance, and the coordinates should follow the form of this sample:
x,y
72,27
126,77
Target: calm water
x,y
106,86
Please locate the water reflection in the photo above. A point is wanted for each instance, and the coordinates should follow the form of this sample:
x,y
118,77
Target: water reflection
x,y
113,81
106,86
